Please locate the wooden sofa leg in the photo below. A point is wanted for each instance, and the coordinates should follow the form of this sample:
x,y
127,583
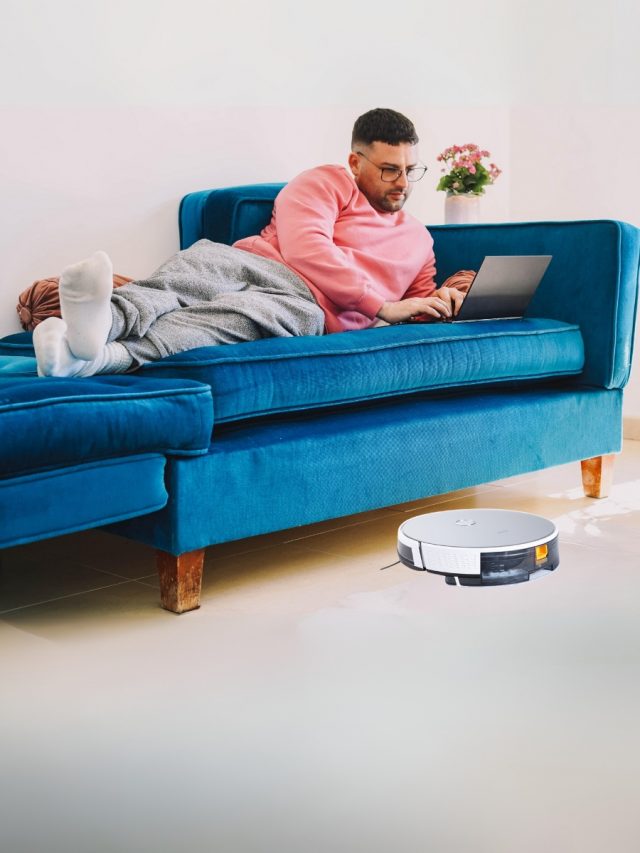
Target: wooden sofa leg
x,y
597,475
180,580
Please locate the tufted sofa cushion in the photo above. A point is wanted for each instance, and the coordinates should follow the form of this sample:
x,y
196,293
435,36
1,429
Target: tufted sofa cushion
x,y
277,375
52,423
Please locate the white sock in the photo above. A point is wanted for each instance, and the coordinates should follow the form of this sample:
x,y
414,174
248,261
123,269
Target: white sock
x,y
54,356
85,304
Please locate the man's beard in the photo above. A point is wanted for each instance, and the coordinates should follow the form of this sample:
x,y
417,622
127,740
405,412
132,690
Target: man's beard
x,y
391,205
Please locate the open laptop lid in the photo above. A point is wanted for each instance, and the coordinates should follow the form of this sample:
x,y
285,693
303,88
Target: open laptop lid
x,y
503,287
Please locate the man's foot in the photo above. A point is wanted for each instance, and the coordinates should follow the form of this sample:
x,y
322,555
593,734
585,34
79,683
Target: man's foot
x,y
85,303
52,350
54,357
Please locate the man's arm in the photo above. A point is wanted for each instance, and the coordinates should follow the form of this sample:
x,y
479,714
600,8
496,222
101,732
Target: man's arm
x,y
306,212
422,300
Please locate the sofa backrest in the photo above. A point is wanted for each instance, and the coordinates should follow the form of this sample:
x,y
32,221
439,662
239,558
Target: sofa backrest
x,y
592,279
226,215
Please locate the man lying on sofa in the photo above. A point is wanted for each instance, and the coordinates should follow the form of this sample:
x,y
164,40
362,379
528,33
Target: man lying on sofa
x,y
339,254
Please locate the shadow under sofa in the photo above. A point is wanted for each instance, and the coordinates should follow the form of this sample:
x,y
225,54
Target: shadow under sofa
x,y
310,428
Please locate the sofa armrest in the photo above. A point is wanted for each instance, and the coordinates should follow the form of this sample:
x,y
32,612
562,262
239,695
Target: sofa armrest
x,y
592,280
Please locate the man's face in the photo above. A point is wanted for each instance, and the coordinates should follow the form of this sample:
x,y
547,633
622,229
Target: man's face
x,y
386,196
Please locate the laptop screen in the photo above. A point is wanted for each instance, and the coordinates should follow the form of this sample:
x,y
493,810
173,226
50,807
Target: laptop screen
x,y
503,287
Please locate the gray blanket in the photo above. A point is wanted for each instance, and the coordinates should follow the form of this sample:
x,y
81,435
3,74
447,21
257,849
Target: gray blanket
x,y
211,294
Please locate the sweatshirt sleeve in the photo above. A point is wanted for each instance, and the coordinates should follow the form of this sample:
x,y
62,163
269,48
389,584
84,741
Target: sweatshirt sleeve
x,y
424,283
305,214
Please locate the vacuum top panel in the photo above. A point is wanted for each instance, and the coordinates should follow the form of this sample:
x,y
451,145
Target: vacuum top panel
x,y
479,528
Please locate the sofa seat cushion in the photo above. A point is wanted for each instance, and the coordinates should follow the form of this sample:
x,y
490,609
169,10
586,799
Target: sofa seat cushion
x,y
48,423
277,375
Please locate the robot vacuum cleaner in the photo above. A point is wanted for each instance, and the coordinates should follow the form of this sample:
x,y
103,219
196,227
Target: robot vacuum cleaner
x,y
480,547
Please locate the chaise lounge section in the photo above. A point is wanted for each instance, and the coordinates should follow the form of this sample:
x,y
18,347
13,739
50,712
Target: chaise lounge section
x,y
78,454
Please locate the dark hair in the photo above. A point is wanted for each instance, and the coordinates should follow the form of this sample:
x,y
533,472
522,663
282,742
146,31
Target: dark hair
x,y
383,125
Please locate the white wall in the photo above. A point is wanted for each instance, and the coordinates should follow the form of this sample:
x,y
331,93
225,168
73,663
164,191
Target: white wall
x,y
110,111
575,163
575,121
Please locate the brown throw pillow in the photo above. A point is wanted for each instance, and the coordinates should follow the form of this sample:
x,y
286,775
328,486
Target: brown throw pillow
x,y
461,280
41,300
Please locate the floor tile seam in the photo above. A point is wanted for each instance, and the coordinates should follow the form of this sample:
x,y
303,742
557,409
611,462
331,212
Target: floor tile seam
x,y
615,525
395,512
108,573
83,565
141,582
63,597
281,542
234,554
551,492
601,546
569,540
359,557
343,556
71,560
343,526
453,499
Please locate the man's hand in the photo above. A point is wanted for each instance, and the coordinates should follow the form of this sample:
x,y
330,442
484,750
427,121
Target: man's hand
x,y
444,304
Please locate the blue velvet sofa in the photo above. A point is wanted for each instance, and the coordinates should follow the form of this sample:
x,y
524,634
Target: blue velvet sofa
x,y
305,429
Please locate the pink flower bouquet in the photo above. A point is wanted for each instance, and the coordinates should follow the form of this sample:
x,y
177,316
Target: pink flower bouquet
x,y
464,171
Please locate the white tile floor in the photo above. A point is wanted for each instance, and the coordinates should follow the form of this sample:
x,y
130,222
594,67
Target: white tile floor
x,y
316,703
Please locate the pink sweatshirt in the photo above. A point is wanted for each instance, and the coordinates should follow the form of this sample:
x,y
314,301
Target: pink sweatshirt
x,y
352,258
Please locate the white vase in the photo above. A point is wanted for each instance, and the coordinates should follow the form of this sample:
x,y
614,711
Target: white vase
x,y
461,208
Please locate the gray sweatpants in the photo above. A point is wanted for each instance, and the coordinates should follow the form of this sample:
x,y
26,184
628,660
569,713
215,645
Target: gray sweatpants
x,y
210,294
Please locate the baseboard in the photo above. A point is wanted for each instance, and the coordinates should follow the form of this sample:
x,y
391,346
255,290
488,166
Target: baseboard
x,y
631,428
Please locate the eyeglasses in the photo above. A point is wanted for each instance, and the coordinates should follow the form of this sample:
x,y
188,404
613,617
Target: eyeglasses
x,y
388,174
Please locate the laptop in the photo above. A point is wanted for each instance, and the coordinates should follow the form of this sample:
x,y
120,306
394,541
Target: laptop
x,y
503,287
